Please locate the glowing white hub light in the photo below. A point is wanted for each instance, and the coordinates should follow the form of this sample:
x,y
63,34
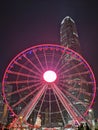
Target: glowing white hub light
x,y
49,76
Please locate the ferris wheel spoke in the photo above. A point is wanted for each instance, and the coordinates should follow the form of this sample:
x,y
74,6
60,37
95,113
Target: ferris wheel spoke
x,y
22,74
26,68
43,98
35,66
52,58
71,68
59,61
71,109
73,97
38,60
77,112
79,80
60,109
22,99
45,59
22,81
23,89
76,74
63,66
80,90
30,107
65,103
85,93
49,106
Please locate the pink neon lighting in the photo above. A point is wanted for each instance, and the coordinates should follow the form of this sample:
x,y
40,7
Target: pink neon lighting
x,y
36,60
49,76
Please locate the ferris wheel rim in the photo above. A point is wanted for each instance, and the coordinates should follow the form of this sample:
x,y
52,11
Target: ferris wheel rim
x,y
50,45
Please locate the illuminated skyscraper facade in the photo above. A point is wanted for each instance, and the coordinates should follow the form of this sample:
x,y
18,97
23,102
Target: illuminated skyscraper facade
x,y
69,38
68,34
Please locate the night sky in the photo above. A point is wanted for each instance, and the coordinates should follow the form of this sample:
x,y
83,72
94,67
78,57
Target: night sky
x,y
25,23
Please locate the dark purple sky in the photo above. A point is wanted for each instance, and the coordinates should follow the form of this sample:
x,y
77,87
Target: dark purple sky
x,y
24,23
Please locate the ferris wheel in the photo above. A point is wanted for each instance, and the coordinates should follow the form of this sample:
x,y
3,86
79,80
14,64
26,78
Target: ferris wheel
x,y
49,80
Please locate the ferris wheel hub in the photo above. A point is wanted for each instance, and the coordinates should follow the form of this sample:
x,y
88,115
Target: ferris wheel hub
x,y
49,76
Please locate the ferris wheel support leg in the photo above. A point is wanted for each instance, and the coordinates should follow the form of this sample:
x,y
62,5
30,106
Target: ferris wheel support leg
x,y
33,103
30,107
68,106
64,102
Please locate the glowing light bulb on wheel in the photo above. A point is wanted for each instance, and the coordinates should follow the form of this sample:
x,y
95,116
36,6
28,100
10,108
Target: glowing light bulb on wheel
x,y
49,76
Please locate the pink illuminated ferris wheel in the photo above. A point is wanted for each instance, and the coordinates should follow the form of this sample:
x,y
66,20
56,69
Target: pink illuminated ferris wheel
x,y
49,80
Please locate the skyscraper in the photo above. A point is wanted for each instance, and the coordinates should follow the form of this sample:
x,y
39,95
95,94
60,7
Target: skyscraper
x,y
68,34
69,38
